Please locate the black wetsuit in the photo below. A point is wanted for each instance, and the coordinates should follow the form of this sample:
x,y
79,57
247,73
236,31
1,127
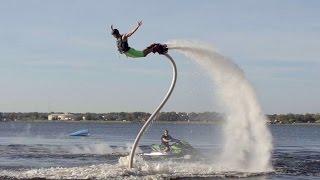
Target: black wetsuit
x,y
122,45
166,137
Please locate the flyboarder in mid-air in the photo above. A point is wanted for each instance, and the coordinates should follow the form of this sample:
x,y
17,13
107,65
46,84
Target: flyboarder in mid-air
x,y
124,48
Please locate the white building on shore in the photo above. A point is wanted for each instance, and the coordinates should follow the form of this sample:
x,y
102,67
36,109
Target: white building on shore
x,y
63,117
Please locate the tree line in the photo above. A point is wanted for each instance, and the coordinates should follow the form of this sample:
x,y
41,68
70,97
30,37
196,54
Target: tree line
x,y
115,116
163,116
294,118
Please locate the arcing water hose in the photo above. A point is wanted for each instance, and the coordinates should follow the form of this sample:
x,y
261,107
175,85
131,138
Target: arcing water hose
x,y
156,111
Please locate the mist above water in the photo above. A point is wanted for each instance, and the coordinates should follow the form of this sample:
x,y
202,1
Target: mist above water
x,y
247,142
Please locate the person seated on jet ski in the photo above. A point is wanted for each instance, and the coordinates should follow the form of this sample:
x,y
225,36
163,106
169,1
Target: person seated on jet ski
x,y
124,48
165,139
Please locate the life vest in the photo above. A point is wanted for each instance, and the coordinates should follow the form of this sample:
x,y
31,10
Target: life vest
x,y
166,137
122,45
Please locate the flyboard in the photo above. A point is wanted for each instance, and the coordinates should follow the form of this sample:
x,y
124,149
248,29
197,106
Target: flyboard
x,y
161,49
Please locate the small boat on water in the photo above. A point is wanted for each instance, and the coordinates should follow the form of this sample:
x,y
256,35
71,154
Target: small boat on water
x,y
84,132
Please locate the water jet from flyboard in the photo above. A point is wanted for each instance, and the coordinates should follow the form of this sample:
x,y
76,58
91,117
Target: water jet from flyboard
x,y
156,111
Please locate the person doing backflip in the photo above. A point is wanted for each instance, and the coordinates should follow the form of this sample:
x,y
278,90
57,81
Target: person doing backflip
x,y
124,48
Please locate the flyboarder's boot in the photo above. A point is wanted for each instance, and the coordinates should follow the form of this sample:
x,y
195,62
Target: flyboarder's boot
x,y
158,48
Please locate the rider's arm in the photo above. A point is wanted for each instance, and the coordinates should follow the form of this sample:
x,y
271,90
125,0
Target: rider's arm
x,y
174,139
132,31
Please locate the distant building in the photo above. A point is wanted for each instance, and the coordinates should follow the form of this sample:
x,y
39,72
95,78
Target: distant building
x,y
63,117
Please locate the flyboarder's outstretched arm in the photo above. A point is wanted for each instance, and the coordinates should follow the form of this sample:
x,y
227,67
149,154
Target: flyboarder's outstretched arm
x,y
133,31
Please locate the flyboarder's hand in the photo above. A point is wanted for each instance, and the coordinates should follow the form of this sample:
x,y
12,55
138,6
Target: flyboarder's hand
x,y
133,31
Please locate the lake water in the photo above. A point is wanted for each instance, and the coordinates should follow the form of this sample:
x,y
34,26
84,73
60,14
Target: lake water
x,y
45,150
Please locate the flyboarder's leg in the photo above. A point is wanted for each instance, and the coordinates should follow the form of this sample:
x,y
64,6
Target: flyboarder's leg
x,y
138,54
147,51
155,48
151,48
135,53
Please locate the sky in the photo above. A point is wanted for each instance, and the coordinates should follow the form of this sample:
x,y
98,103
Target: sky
x,y
59,55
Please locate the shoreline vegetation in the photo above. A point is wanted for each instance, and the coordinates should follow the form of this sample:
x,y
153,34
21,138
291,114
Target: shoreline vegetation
x,y
163,117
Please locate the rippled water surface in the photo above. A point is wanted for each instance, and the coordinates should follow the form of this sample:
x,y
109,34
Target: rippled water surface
x,y
45,149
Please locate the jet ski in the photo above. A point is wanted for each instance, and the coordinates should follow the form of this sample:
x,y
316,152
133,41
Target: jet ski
x,y
177,149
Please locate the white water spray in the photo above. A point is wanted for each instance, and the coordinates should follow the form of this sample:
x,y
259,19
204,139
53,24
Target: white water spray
x,y
247,140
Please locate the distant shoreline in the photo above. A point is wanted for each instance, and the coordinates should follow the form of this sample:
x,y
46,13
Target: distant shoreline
x,y
141,122
168,117
120,122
